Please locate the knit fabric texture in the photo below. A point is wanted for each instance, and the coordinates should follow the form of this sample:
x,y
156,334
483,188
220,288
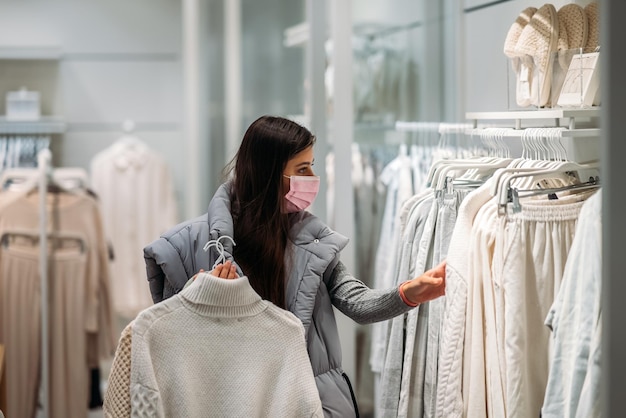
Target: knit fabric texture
x,y
216,349
573,20
516,30
593,21
540,37
539,40
563,42
117,396
562,47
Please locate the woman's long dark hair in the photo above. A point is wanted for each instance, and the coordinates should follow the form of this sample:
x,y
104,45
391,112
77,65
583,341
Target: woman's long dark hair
x,y
261,228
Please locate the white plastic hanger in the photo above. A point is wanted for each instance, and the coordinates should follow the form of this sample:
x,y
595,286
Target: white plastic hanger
x,y
560,172
473,168
128,138
33,238
524,164
555,170
21,178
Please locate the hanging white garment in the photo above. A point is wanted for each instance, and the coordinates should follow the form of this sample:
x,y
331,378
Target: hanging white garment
x,y
458,288
505,282
397,176
575,319
136,193
411,223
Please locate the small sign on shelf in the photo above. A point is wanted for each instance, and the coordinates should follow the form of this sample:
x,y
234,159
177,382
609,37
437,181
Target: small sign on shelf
x,y
582,81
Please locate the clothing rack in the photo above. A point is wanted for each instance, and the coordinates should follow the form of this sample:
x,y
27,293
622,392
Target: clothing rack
x,y
393,30
446,135
37,228
44,159
579,123
439,127
574,123
409,126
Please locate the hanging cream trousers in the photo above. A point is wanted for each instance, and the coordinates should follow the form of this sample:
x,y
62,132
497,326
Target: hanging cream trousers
x,y
20,331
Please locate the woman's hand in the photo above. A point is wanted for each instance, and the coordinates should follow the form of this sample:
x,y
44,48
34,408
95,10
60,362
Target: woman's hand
x,y
225,271
428,286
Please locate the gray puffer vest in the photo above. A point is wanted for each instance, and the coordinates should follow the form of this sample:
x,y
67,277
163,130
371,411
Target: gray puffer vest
x,y
178,254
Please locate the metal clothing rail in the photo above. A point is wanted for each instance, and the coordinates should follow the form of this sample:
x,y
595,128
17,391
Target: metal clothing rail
x,y
44,159
392,30
484,6
439,127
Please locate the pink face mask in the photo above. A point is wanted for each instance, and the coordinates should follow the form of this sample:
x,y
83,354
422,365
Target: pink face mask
x,y
302,192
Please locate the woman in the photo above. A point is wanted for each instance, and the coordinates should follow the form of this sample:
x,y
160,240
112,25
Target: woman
x,y
290,257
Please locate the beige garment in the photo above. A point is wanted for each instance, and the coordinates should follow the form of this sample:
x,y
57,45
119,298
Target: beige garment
x,y
117,395
21,330
3,384
78,288
73,215
136,194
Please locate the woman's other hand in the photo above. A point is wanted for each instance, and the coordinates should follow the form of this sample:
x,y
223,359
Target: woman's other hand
x,y
428,286
225,271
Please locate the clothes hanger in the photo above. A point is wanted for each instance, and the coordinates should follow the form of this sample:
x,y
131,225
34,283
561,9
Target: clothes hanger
x,y
67,178
446,129
526,163
483,167
474,170
565,170
129,139
71,177
221,250
487,137
22,236
550,158
434,172
14,178
516,195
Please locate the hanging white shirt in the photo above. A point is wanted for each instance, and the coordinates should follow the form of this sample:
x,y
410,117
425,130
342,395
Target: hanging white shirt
x,y
136,194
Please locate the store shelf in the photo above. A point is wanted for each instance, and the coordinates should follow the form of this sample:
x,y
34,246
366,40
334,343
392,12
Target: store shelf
x,y
566,133
30,53
42,126
556,114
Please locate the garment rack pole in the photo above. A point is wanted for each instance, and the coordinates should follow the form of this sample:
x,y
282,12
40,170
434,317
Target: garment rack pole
x,y
44,158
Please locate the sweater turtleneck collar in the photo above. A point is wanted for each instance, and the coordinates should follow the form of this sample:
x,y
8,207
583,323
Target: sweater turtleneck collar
x,y
229,298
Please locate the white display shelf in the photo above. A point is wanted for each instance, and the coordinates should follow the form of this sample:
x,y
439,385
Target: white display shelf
x,y
566,133
571,114
42,126
30,53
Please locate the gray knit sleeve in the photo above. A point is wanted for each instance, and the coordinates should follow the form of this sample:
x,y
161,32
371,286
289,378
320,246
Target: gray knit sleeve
x,y
360,303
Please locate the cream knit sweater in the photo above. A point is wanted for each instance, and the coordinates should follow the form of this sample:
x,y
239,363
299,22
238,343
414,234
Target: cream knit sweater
x,y
216,349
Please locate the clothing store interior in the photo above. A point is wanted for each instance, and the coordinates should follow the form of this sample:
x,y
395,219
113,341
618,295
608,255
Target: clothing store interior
x,y
476,132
